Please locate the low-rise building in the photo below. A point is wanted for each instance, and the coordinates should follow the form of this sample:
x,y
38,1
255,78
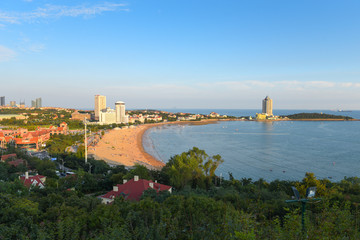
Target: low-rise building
x,y
4,140
80,116
33,181
136,118
8,156
30,139
190,118
9,116
261,116
214,115
133,189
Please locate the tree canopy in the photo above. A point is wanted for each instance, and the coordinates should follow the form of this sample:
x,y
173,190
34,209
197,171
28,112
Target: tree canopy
x,y
194,167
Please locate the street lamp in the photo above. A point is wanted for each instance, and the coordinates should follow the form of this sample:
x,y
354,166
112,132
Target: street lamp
x,y
85,140
310,194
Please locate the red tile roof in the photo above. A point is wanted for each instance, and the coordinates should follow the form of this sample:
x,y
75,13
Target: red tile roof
x,y
21,141
16,162
35,181
132,190
5,157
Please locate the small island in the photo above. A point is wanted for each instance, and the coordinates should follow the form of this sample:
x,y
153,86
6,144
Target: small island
x,y
316,116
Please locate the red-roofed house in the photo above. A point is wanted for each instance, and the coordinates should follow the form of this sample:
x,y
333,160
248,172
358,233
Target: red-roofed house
x,y
16,162
33,181
62,129
2,140
8,156
5,139
30,139
133,189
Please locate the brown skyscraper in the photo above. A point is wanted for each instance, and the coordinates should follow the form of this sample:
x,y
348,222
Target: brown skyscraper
x,y
100,104
267,106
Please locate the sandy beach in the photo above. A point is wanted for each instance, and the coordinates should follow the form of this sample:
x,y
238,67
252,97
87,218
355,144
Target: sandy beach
x,y
124,146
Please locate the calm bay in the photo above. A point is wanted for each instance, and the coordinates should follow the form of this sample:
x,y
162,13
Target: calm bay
x,y
283,150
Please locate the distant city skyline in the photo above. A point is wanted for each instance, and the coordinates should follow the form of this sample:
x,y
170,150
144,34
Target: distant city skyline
x,y
183,54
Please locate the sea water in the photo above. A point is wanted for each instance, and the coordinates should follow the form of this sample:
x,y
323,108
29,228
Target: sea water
x,y
283,150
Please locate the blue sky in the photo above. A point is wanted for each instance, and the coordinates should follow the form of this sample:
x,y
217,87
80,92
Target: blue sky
x,y
185,54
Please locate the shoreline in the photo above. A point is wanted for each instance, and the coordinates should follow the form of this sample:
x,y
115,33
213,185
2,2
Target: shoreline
x,y
146,127
316,119
125,146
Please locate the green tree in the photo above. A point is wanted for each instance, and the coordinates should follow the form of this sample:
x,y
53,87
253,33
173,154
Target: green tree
x,y
194,167
311,181
138,170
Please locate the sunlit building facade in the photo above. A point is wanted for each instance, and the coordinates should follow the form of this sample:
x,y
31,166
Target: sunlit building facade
x,y
100,104
267,106
2,101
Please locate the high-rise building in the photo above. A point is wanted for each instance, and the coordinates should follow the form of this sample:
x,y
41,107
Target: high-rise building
x,y
2,101
120,112
267,106
38,103
22,104
12,103
111,116
100,104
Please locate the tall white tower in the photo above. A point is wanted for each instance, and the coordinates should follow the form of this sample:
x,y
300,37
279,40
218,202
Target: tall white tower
x,y
267,106
100,104
120,112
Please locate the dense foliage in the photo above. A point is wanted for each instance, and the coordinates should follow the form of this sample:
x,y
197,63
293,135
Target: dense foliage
x,y
202,206
38,117
316,116
58,143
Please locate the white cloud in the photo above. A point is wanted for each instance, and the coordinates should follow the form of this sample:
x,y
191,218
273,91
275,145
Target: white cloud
x,y
36,48
320,84
8,18
6,54
260,84
293,88
248,84
56,11
238,94
347,84
193,95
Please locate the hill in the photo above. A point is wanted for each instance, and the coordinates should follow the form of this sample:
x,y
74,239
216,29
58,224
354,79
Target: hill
x,y
317,116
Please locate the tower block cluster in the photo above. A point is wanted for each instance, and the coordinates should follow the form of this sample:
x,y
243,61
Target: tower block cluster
x,y
106,115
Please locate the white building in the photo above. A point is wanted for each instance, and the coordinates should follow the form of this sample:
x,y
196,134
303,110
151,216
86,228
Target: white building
x,y
100,105
120,112
107,116
111,116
